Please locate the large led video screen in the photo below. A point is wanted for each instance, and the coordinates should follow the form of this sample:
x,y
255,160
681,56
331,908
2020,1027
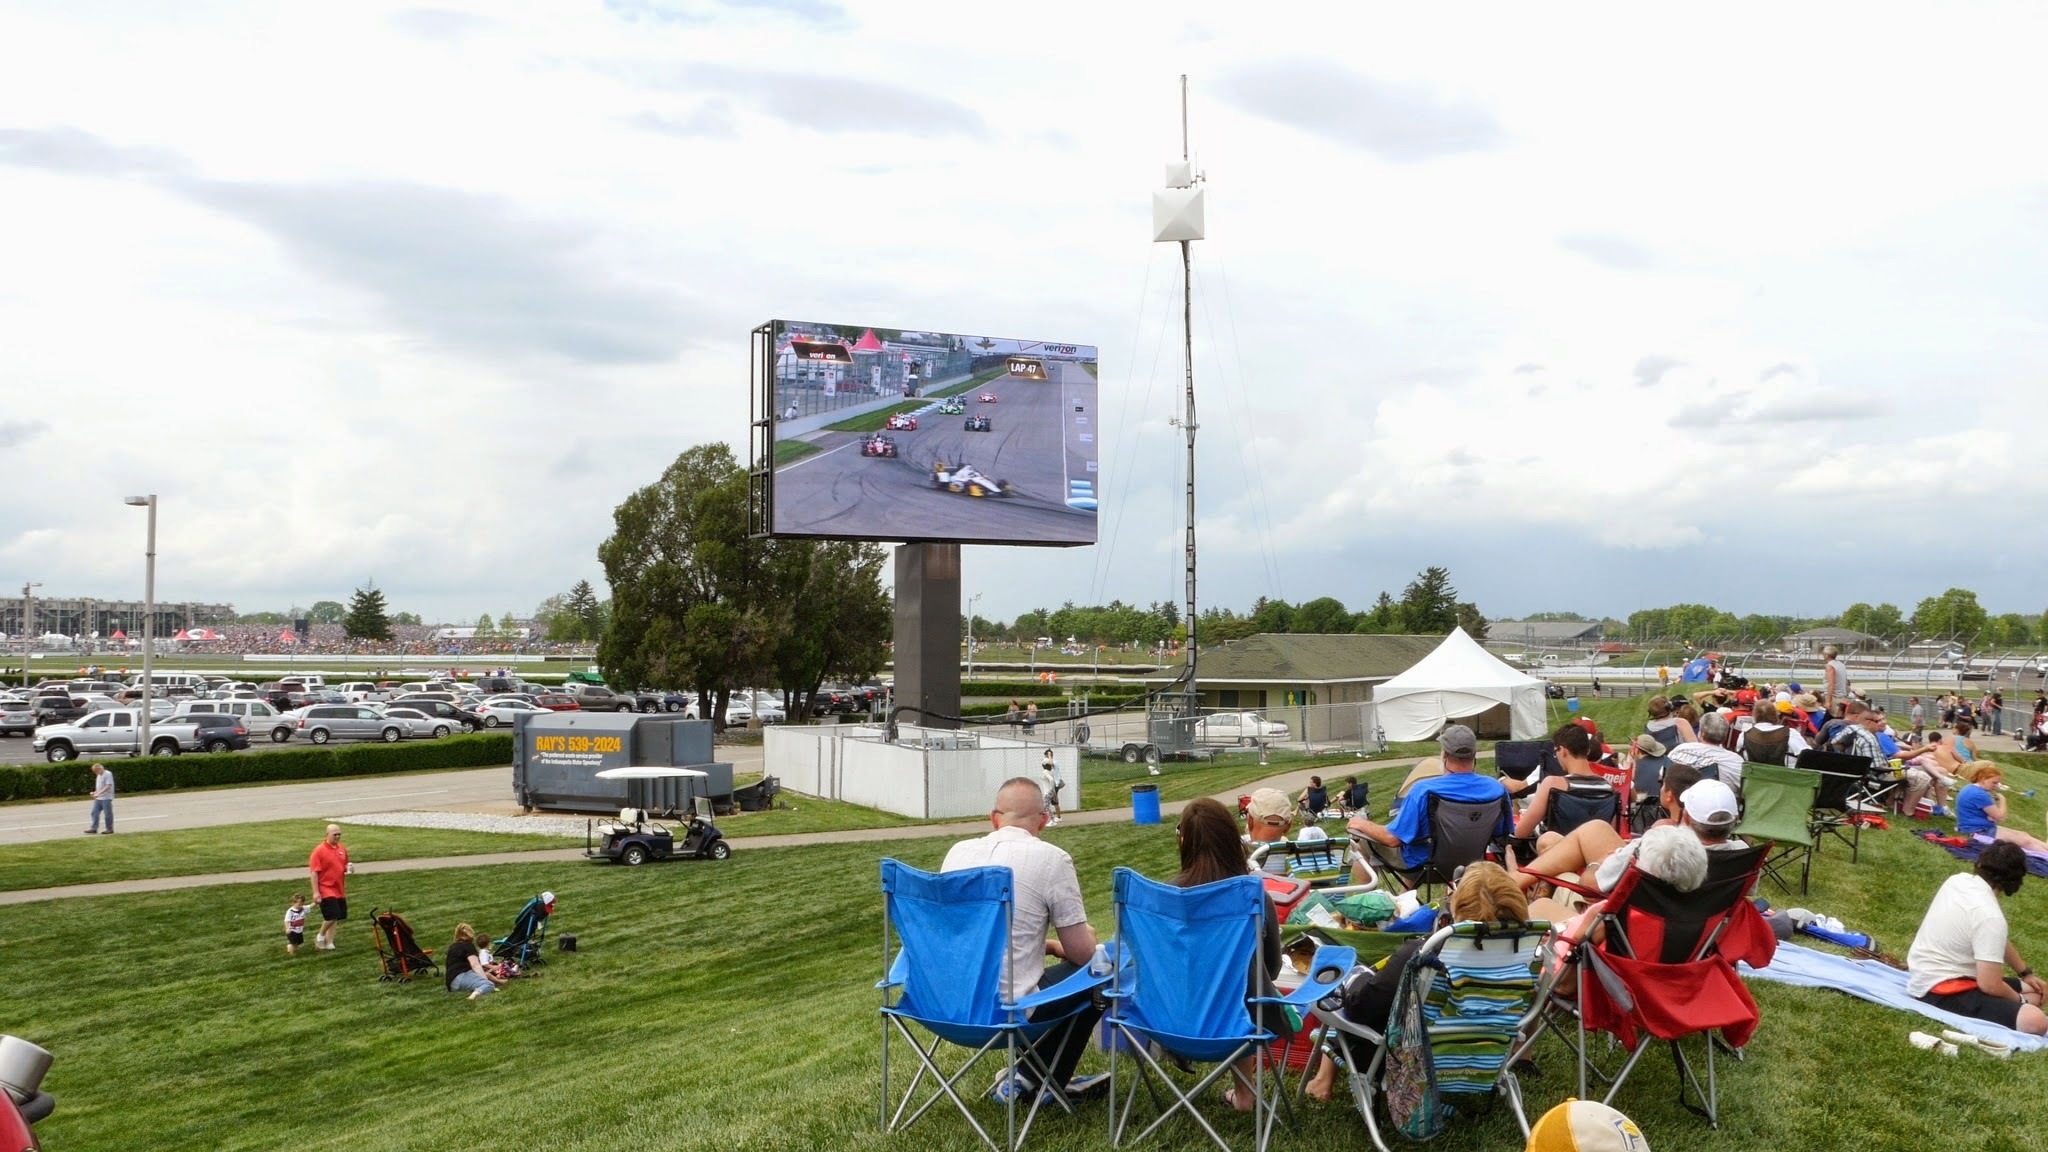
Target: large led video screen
x,y
898,434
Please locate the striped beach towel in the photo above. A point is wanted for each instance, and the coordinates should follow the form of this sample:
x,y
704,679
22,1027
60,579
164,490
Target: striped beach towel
x,y
1484,980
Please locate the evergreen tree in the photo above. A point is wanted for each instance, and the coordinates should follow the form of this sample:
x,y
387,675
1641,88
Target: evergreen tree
x,y
367,618
582,603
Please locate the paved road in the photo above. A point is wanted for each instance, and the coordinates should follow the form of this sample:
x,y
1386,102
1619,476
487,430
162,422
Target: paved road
x,y
1042,439
469,790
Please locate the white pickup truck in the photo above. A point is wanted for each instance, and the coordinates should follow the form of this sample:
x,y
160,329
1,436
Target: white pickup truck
x,y
115,732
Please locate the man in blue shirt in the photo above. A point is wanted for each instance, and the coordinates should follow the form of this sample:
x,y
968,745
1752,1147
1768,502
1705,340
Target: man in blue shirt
x,y
1409,830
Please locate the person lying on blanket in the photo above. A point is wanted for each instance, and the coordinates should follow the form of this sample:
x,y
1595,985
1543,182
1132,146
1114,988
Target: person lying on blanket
x,y
1980,809
1485,893
1959,956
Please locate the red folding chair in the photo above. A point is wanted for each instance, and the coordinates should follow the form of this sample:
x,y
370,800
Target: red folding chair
x,y
1657,964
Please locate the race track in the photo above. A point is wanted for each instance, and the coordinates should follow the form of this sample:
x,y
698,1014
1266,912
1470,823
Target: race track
x,y
1040,444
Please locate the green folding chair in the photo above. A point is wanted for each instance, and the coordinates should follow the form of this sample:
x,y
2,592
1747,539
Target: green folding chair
x,y
1776,805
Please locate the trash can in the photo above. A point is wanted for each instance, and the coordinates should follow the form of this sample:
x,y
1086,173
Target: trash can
x,y
1144,803
1571,704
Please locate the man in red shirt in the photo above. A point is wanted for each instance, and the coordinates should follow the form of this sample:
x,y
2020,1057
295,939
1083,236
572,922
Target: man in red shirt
x,y
330,868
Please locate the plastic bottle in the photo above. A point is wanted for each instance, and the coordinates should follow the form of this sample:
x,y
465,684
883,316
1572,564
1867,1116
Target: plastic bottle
x,y
1099,964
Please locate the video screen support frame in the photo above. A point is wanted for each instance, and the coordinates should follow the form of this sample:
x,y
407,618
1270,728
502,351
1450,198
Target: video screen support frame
x,y
761,433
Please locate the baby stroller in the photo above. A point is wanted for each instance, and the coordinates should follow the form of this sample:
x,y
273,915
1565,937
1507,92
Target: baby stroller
x,y
398,954
529,930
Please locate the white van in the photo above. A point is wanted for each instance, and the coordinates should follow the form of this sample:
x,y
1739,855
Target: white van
x,y
310,681
257,716
170,683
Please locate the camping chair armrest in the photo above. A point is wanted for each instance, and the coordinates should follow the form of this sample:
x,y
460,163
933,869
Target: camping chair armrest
x,y
1075,984
1326,972
1573,932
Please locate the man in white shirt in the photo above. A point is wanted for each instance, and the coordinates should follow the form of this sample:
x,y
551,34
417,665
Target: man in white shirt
x,y
1834,690
1045,893
1710,753
102,799
1959,956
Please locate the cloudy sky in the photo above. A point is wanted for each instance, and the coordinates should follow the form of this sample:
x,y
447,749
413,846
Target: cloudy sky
x,y
1601,314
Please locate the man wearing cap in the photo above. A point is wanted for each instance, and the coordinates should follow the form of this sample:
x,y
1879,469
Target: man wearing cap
x,y
1409,831
1710,752
1266,821
1651,758
1046,894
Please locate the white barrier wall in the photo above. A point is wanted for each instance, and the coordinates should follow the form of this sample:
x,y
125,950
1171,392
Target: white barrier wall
x,y
956,777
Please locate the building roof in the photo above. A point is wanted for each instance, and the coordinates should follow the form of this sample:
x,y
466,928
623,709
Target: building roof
x,y
1541,631
1312,658
1833,635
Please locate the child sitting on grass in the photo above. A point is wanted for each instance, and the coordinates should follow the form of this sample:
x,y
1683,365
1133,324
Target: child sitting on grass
x,y
295,924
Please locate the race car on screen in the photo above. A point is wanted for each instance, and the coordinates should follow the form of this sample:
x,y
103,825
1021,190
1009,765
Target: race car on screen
x,y
878,445
964,479
988,397
902,422
952,406
979,424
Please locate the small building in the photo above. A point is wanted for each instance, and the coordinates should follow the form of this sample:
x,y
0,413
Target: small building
x,y
1847,639
1316,674
1544,633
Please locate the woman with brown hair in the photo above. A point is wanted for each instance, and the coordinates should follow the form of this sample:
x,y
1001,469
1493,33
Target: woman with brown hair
x,y
1485,892
1210,850
465,966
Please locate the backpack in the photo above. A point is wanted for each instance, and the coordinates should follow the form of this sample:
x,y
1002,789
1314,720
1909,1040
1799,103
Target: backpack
x,y
1409,1073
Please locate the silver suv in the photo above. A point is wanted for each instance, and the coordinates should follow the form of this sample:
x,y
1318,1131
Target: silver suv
x,y
17,716
324,722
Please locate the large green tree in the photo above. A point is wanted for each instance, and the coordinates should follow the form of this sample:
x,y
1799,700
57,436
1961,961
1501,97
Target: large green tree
x,y
368,617
326,612
1955,614
834,619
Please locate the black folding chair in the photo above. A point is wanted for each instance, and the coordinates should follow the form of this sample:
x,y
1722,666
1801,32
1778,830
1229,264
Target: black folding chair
x,y
1522,759
1586,800
1461,832
1846,787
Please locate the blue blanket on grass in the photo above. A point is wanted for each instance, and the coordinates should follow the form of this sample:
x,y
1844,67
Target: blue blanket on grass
x,y
1880,984
2037,864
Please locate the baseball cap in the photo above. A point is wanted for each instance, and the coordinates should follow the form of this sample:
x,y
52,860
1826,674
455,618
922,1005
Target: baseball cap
x,y
1270,803
1710,802
1648,745
1585,1126
547,897
1458,740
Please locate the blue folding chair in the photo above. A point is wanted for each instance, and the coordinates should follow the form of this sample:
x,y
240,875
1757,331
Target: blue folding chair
x,y
1184,985
950,976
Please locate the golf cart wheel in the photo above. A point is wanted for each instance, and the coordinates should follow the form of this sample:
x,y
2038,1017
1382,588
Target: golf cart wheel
x,y
721,850
319,736
1133,754
634,855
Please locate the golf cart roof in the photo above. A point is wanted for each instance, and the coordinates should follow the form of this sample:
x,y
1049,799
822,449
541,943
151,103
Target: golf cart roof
x,y
652,773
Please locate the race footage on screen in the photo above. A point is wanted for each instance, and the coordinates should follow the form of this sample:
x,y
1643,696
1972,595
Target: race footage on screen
x,y
893,434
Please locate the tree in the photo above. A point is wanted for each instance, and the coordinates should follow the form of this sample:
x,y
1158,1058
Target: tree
x,y
1323,614
1556,618
411,618
486,628
834,618
367,617
267,618
1885,620
582,602
1272,615
1429,605
1955,613
1471,621
327,611
1384,616
2012,630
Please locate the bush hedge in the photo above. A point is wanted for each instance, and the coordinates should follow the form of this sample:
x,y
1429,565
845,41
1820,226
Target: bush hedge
x,y
197,770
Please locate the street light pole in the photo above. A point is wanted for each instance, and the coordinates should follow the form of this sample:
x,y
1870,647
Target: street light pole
x,y
148,618
28,625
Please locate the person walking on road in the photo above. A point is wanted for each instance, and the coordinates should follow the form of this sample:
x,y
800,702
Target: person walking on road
x,y
330,868
102,799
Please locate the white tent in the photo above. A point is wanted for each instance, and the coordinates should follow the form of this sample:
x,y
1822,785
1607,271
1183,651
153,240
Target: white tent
x,y
1462,683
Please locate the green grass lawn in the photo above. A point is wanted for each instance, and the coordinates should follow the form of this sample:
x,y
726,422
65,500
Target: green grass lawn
x,y
790,451
873,421
728,1006
235,848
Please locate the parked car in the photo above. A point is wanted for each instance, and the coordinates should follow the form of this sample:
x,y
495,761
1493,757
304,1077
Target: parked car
x,y
557,702
463,718
256,715
218,732
1246,728
597,698
500,713
59,709
362,692
323,722
649,700
17,716
418,723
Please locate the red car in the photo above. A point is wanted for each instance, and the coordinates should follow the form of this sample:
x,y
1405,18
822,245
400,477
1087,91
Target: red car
x,y
902,423
555,703
988,397
878,445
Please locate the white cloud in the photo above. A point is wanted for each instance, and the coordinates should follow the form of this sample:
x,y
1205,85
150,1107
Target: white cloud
x,y
419,293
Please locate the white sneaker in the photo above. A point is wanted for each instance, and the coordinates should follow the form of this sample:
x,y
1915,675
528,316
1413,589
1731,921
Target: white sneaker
x,y
1153,771
476,994
1923,1041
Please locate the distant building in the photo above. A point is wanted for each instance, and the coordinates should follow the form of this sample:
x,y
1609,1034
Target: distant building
x,y
81,617
1544,633
1847,639
1275,671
